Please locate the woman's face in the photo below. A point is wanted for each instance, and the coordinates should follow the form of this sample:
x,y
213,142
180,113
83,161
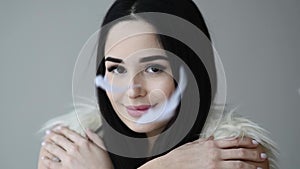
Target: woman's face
x,y
138,63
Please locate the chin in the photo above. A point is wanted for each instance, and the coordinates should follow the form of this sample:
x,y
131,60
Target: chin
x,y
150,129
140,128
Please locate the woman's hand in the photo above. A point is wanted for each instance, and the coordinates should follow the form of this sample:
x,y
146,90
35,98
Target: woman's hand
x,y
66,149
238,153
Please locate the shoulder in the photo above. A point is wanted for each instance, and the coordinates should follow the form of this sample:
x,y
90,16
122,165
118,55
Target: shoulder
x,y
83,117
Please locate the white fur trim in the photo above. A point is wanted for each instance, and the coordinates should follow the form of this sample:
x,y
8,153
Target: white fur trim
x,y
89,116
230,124
219,125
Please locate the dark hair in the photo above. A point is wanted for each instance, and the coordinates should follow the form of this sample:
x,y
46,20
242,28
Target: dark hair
x,y
185,9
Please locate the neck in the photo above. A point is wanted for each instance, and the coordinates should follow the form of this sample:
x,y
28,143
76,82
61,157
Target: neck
x,y
152,137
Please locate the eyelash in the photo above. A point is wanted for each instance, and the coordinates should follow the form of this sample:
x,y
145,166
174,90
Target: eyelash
x,y
156,66
160,68
115,67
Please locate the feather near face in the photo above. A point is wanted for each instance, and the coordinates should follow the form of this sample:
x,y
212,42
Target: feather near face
x,y
135,60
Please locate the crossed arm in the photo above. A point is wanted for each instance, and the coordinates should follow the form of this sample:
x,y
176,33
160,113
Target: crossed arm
x,y
63,148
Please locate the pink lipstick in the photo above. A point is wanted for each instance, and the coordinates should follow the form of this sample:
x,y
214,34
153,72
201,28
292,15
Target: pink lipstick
x,y
137,111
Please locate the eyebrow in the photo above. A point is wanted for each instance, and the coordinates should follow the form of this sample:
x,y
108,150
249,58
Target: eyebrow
x,y
151,58
145,59
114,60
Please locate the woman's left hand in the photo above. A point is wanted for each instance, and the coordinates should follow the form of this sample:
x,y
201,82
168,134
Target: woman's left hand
x,y
206,153
72,151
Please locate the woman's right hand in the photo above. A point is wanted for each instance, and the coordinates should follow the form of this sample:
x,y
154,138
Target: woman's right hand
x,y
64,148
237,153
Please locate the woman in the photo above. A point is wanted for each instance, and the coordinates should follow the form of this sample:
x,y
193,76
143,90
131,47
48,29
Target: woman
x,y
158,98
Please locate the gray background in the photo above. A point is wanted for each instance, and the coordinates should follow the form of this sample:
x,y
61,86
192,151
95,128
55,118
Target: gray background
x,y
40,40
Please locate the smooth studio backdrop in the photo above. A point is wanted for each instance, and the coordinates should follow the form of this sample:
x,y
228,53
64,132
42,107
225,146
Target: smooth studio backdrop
x,y
257,40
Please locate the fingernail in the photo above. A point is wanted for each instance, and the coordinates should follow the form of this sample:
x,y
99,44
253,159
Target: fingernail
x,y
56,159
57,128
263,155
48,132
259,168
43,143
254,142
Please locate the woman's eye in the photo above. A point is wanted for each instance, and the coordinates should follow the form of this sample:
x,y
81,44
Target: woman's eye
x,y
117,69
155,69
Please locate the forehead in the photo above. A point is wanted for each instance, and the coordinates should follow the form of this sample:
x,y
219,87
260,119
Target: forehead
x,y
129,37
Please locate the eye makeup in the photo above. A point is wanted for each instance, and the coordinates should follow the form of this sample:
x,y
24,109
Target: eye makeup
x,y
118,68
155,68
145,65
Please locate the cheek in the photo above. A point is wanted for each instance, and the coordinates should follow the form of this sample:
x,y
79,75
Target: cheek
x,y
113,98
161,87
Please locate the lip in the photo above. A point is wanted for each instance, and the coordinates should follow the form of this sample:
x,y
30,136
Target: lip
x,y
137,111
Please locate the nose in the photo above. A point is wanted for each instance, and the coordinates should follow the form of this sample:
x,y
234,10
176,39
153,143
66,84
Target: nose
x,y
136,87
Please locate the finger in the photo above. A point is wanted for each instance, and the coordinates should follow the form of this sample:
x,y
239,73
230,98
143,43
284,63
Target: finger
x,y
46,137
54,149
95,138
260,165
244,142
243,154
47,154
235,165
70,134
60,140
51,164
49,130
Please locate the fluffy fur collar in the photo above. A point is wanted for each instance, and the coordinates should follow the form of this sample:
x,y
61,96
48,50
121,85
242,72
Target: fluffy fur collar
x,y
220,125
